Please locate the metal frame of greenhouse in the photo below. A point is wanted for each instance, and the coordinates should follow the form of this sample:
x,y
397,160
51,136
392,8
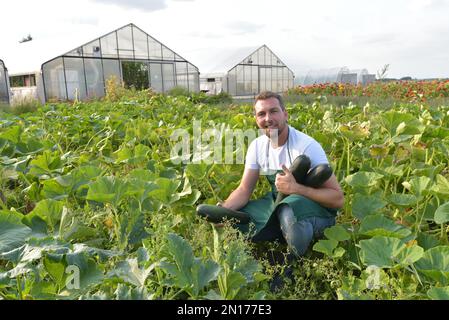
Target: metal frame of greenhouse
x,y
259,71
4,83
82,73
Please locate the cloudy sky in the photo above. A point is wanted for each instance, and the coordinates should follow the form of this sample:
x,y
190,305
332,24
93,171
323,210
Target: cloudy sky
x,y
410,35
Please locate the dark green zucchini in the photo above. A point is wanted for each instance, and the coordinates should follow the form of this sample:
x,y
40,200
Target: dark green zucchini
x,y
318,175
299,169
217,214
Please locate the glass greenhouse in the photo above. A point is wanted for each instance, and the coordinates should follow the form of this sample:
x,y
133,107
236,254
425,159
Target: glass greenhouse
x,y
325,75
129,54
4,83
339,75
261,70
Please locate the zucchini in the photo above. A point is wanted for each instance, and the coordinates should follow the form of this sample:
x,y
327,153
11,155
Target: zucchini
x,y
318,175
217,214
299,169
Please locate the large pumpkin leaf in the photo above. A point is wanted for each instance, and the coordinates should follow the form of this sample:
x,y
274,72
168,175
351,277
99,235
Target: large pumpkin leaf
x,y
442,214
441,188
435,264
363,206
363,179
402,200
130,271
189,273
379,225
13,232
48,210
387,252
107,190
337,233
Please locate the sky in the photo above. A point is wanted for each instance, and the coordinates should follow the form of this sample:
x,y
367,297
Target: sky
x,y
409,35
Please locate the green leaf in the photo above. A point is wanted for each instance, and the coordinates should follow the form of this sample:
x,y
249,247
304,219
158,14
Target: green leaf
x,y
387,252
438,293
48,210
379,225
166,192
13,232
124,292
363,206
130,272
441,188
435,264
189,273
47,163
326,246
132,227
363,179
55,265
197,171
107,190
32,146
402,200
12,134
427,241
442,214
133,156
419,186
191,199
397,171
337,233
234,282
398,123
87,269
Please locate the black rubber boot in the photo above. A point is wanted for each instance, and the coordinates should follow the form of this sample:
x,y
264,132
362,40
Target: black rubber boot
x,y
297,234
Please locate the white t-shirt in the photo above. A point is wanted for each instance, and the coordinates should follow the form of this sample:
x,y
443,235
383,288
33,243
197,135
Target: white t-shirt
x,y
263,157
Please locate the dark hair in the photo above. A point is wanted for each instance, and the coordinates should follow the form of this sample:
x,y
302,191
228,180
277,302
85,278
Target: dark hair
x,y
264,95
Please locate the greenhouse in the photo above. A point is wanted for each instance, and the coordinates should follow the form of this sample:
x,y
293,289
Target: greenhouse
x,y
339,75
128,54
261,70
4,83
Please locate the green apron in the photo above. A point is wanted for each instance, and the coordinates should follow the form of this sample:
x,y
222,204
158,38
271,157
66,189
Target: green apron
x,y
264,225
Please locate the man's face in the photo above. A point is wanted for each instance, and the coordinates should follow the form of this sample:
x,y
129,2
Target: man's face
x,y
270,116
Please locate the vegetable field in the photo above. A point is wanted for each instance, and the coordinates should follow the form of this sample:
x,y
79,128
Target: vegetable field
x,y
93,207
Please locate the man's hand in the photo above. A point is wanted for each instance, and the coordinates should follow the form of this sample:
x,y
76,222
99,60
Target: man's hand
x,y
285,182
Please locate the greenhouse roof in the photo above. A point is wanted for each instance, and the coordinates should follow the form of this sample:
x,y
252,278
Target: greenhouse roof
x,y
127,42
241,55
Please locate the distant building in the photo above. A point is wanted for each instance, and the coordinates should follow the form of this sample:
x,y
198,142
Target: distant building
x,y
26,85
4,84
338,75
260,70
128,53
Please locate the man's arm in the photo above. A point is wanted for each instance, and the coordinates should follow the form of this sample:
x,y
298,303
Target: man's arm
x,y
329,195
240,196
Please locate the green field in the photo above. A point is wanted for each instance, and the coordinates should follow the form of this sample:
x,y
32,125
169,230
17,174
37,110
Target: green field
x,y
93,207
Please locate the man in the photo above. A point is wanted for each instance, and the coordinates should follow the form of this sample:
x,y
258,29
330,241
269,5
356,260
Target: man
x,y
306,211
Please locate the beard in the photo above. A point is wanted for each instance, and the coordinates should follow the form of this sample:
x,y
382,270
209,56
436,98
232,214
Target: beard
x,y
274,131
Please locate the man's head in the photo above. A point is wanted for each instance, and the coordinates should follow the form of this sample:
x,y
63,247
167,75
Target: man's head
x,y
270,113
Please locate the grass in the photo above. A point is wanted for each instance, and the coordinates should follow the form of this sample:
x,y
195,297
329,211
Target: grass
x,y
25,105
